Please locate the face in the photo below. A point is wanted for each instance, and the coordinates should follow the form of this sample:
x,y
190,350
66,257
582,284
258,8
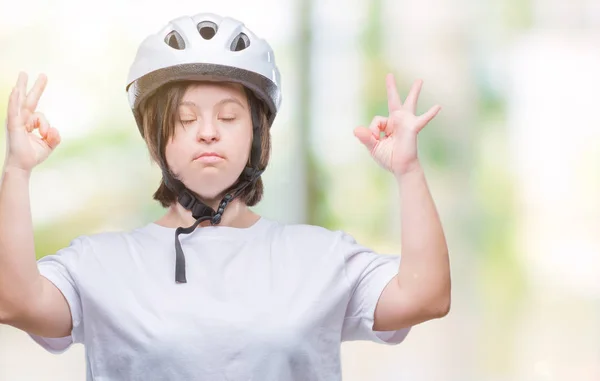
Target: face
x,y
212,138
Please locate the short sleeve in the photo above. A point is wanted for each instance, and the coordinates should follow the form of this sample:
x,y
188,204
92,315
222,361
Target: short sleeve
x,y
368,273
61,269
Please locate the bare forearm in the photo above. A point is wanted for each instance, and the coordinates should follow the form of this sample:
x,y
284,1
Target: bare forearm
x,y
18,269
425,270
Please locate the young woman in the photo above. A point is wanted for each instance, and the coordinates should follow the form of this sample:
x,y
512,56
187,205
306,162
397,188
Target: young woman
x,y
213,291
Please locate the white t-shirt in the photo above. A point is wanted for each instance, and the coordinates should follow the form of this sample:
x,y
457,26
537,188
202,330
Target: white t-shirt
x,y
270,302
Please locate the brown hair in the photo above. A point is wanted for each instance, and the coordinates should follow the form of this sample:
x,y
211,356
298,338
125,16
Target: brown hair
x,y
159,112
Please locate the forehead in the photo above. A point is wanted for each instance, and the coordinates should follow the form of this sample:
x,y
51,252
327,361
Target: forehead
x,y
212,92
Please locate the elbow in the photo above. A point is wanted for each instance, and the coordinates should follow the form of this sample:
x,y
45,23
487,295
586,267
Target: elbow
x,y
437,307
441,303
441,300
7,317
441,308
430,309
434,309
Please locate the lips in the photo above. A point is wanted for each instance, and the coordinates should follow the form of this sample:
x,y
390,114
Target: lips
x,y
208,155
208,158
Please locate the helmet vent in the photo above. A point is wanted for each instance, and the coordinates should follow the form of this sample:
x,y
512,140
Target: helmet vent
x,y
239,43
175,40
207,29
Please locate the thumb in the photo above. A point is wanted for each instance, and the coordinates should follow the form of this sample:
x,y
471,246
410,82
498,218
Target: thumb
x,y
366,137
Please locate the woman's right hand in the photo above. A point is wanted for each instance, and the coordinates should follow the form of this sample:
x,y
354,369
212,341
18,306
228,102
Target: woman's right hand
x,y
25,148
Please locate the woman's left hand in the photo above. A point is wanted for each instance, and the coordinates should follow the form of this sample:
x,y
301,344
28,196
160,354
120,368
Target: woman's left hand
x,y
396,151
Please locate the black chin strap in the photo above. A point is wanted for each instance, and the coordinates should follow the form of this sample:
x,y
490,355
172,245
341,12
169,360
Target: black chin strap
x,y
202,212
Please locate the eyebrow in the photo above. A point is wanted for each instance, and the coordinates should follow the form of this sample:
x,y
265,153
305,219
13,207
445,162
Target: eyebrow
x,y
220,103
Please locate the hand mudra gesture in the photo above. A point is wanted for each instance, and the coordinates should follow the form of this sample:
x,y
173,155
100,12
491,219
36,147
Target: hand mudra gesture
x,y
26,148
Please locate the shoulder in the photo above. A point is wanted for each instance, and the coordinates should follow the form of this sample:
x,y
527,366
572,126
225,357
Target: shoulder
x,y
113,240
310,235
106,237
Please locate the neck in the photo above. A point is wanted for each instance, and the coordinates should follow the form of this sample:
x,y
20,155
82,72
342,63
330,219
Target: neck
x,y
237,215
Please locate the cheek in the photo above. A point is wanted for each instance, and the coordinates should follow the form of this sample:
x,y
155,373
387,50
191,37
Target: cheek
x,y
237,144
243,147
174,154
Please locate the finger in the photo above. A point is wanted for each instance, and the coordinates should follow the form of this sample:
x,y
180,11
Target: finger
x,y
52,138
366,137
12,114
31,123
378,124
43,125
428,116
394,102
413,96
33,97
36,120
22,86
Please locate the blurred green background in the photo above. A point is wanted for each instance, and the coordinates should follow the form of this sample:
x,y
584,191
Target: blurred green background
x,y
513,159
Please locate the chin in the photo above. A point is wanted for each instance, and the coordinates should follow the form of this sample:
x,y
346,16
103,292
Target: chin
x,y
210,183
210,190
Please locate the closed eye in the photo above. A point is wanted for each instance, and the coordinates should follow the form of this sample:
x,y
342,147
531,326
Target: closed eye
x,y
186,122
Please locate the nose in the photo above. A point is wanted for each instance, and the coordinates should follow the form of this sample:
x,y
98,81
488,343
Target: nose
x,y
207,132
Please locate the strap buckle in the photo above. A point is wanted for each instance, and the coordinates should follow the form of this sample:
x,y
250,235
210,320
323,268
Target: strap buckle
x,y
186,199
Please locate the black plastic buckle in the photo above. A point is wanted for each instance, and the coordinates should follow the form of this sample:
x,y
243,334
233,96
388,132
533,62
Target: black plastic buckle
x,y
186,199
201,210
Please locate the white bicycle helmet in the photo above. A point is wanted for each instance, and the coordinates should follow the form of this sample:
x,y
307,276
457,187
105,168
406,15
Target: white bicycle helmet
x,y
204,47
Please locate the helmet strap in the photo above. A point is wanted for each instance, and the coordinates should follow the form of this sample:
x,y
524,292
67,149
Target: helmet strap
x,y
200,211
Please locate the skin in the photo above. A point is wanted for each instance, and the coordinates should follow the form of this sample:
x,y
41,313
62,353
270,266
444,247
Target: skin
x,y
421,289
216,118
28,301
213,117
